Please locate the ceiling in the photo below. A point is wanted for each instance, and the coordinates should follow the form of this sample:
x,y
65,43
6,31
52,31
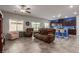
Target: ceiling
x,y
45,11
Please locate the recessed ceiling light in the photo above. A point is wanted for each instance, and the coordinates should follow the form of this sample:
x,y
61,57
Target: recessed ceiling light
x,y
53,16
59,15
71,6
75,13
66,16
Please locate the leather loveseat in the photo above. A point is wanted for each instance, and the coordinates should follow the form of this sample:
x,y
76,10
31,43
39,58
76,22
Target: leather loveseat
x,y
45,34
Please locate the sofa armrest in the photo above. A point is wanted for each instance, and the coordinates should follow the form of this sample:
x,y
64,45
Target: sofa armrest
x,y
50,37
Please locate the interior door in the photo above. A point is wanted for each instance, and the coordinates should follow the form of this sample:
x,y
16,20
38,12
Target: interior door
x,y
1,45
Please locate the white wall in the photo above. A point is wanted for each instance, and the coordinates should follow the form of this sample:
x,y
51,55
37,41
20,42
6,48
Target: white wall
x,y
8,16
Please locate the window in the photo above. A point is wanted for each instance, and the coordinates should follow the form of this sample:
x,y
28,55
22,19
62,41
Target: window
x,y
35,25
15,25
46,25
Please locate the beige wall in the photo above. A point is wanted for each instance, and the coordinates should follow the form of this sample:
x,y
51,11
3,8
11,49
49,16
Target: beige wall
x,y
8,16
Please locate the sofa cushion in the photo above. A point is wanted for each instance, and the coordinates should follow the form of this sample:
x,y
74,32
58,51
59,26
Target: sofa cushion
x,y
43,31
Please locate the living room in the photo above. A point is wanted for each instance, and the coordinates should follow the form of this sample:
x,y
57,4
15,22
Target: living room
x,y
27,30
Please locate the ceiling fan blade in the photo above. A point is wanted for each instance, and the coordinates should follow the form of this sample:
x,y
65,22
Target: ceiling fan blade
x,y
28,11
23,5
28,8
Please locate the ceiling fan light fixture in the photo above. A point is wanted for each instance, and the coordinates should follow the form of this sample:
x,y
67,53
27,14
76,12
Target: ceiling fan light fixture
x,y
23,11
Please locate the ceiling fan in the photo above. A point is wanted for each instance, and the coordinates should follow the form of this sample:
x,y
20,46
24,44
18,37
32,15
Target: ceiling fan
x,y
24,8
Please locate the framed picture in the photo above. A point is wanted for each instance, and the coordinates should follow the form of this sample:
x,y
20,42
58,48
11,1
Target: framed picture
x,y
27,23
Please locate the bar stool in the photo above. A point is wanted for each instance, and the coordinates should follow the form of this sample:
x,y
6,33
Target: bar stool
x,y
59,34
65,34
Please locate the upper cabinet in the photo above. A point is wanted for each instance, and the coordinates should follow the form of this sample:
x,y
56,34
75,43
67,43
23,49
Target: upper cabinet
x,y
69,21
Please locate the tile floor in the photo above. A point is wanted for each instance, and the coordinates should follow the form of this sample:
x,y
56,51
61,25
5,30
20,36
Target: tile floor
x,y
32,45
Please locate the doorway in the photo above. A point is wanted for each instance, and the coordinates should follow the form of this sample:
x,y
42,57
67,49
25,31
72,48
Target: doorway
x,y
1,44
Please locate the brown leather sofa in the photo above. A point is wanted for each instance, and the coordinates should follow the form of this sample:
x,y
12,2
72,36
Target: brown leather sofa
x,y
45,34
28,32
